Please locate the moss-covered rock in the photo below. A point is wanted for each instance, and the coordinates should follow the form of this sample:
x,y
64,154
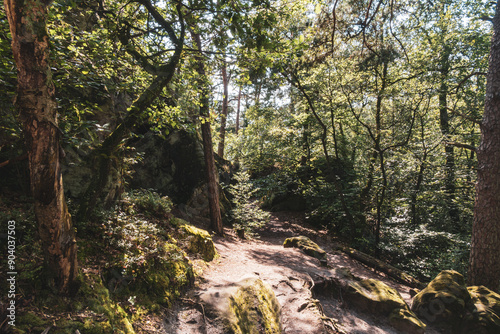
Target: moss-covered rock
x,y
163,278
96,296
254,309
307,246
405,321
485,317
377,298
198,240
444,300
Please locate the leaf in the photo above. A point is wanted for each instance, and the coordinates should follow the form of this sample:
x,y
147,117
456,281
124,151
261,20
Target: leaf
x,y
317,9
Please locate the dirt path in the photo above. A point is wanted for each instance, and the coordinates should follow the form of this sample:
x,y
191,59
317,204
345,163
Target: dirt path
x,y
288,271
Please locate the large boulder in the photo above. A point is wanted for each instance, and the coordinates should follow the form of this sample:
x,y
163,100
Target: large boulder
x,y
485,317
247,307
307,246
444,301
377,298
454,308
254,309
369,296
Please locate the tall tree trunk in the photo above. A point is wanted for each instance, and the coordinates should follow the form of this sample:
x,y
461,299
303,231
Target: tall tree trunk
x,y
223,116
445,130
37,108
484,265
206,133
378,150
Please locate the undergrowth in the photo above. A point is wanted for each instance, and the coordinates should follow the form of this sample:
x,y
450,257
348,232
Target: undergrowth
x,y
131,267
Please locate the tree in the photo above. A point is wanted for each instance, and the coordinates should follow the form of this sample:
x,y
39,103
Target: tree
x,y
162,71
37,106
206,133
223,116
484,264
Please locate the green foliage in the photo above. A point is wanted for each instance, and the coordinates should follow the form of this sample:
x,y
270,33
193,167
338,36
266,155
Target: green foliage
x,y
245,212
148,202
130,266
150,265
424,252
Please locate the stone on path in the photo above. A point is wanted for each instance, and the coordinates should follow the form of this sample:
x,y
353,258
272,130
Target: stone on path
x,y
307,246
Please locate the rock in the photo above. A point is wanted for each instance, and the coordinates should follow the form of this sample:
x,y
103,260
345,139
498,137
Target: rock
x,y
173,166
405,321
199,241
377,298
307,246
444,301
254,309
247,307
370,296
485,317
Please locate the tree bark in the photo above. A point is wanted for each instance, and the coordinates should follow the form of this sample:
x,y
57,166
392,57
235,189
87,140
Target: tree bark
x,y
206,133
484,265
37,108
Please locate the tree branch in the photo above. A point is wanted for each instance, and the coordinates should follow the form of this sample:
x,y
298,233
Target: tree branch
x,y
467,117
461,145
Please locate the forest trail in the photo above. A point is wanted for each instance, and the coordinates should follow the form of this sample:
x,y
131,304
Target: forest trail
x,y
288,271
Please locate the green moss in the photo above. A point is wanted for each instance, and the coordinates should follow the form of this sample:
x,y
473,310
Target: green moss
x,y
406,321
99,301
377,298
107,317
307,246
161,279
30,322
200,242
254,309
445,299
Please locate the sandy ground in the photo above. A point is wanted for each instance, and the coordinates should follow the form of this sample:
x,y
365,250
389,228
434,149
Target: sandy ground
x,y
288,271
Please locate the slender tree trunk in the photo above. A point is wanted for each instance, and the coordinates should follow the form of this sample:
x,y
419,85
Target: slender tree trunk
x,y
37,108
445,130
223,116
206,133
484,265
238,112
377,148
415,219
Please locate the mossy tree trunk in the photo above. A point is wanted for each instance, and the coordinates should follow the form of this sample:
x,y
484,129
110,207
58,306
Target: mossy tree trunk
x,y
36,103
206,133
484,265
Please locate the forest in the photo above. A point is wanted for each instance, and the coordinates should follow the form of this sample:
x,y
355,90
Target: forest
x,y
132,133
